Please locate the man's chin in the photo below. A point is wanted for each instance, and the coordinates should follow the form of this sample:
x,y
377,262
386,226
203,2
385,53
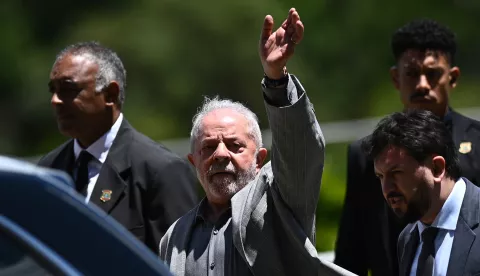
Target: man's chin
x,y
406,217
66,129
225,187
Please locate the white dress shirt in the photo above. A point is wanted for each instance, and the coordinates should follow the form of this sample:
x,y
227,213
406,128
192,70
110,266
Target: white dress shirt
x,y
99,150
446,221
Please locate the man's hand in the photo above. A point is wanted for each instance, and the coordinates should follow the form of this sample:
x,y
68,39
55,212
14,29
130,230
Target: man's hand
x,y
276,48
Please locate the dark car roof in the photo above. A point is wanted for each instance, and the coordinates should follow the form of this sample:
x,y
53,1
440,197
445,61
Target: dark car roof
x,y
43,202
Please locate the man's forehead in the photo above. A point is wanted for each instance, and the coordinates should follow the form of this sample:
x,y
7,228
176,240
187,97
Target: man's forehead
x,y
224,116
391,156
226,120
414,58
71,64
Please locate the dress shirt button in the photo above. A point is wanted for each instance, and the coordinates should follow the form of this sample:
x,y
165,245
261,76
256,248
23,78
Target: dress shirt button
x,y
212,265
215,231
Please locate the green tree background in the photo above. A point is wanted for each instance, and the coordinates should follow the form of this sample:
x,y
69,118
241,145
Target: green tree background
x,y
175,52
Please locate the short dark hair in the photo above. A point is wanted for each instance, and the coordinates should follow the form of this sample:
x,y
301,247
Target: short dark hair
x,y
110,66
424,34
420,133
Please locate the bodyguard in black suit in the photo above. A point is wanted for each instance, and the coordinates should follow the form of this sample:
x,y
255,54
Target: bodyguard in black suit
x,y
424,75
416,162
140,183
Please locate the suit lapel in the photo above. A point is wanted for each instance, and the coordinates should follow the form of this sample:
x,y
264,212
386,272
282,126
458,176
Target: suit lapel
x,y
466,148
112,180
108,189
66,159
411,244
462,244
459,126
464,236
386,233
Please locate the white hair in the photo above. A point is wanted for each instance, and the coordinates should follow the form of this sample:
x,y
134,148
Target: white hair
x,y
210,105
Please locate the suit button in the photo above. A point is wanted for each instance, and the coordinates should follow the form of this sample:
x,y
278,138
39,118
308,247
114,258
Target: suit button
x,y
215,231
212,265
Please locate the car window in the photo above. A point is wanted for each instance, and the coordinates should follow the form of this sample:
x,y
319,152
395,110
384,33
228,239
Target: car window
x,y
16,261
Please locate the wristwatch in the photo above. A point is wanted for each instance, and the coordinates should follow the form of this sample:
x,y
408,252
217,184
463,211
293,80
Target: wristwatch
x,y
276,83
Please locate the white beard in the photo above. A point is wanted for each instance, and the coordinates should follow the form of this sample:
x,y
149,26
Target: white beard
x,y
227,185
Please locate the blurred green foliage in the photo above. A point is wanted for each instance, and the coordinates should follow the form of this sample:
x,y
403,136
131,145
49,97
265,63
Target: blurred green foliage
x,y
175,52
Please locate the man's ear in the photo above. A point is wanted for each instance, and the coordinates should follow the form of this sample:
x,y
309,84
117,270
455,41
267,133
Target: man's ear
x,y
190,158
439,168
111,93
454,75
394,77
261,156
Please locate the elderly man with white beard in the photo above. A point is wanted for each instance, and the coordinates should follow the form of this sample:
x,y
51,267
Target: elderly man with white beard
x,y
255,220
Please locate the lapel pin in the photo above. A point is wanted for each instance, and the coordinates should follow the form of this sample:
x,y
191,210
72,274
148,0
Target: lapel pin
x,y
106,195
465,147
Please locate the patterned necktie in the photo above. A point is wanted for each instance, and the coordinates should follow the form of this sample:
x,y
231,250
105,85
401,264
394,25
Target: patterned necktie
x,y
426,260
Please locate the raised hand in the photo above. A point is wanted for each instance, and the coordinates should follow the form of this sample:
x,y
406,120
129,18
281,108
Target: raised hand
x,y
275,48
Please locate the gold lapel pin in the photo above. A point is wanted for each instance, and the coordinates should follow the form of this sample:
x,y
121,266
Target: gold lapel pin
x,y
465,147
106,195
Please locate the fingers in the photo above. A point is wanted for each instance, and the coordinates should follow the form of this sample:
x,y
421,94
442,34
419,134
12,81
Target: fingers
x,y
288,21
297,36
290,32
295,28
267,28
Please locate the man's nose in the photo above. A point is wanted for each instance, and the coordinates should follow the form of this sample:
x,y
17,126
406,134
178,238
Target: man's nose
x,y
423,85
55,99
388,186
222,153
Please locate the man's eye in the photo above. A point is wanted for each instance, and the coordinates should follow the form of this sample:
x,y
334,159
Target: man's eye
x,y
411,73
434,74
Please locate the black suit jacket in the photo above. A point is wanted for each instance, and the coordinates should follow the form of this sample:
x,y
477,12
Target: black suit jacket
x,y
369,230
151,186
465,254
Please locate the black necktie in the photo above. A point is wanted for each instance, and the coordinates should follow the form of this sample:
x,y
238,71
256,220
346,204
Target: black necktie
x,y
427,256
82,179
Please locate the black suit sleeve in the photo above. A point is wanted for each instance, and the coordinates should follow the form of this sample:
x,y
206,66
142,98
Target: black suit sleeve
x,y
350,249
171,195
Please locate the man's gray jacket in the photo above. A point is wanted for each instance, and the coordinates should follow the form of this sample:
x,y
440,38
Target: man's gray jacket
x,y
273,217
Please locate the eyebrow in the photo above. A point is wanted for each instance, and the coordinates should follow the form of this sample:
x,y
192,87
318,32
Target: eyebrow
x,y
227,138
418,63
62,80
393,167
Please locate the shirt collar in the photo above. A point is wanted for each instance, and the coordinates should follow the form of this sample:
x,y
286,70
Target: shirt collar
x,y
203,208
99,149
448,216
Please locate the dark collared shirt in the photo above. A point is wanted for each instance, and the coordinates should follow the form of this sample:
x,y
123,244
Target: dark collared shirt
x,y
211,250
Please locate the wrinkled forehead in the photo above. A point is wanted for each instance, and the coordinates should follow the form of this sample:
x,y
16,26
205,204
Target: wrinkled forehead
x,y
224,121
428,58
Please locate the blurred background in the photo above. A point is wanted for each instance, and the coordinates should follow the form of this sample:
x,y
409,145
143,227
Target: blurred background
x,y
176,52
